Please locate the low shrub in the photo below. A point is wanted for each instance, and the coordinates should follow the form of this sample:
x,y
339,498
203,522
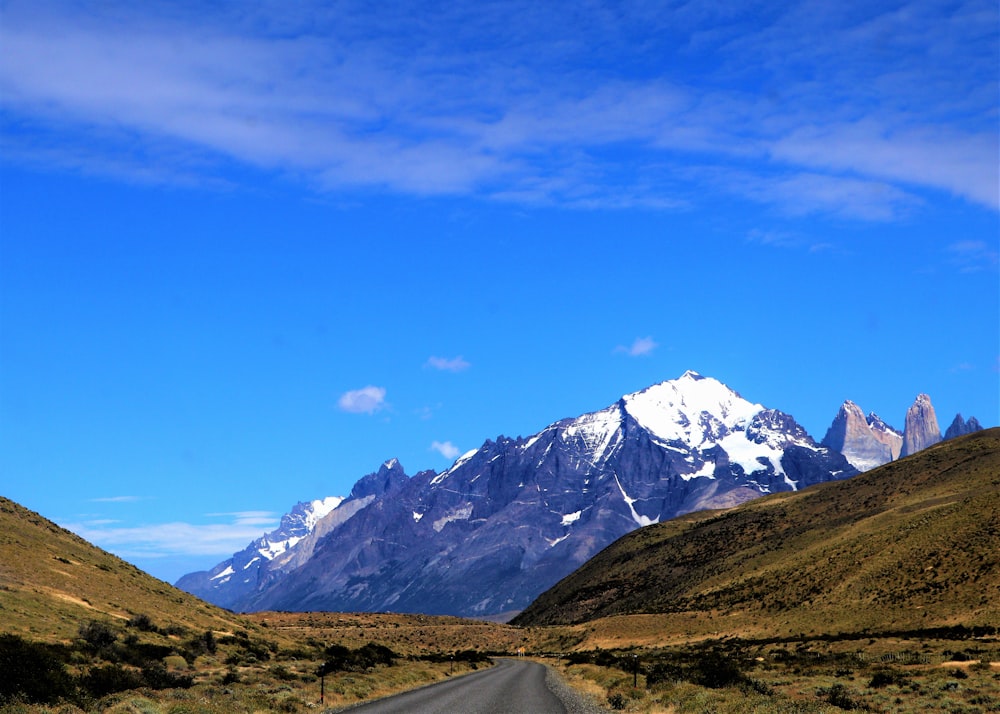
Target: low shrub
x,y
32,672
616,701
142,623
884,678
110,678
839,696
343,659
97,635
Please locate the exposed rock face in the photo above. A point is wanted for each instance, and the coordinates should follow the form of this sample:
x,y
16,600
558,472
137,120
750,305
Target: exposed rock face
x,y
921,429
866,442
961,428
510,519
886,435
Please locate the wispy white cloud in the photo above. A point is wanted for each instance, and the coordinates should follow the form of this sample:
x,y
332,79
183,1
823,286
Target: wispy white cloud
x,y
929,156
115,499
446,364
156,540
434,102
640,347
246,518
786,239
808,193
366,400
973,256
446,449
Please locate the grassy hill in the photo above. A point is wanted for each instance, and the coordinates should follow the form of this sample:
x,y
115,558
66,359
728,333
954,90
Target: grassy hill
x,y
852,594
52,580
82,629
912,545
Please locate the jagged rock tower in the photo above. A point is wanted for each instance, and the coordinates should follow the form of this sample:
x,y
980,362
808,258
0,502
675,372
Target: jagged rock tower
x,y
866,442
921,429
961,428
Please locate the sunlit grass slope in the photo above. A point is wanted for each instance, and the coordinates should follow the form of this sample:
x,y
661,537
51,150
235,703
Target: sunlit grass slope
x,y
52,580
912,545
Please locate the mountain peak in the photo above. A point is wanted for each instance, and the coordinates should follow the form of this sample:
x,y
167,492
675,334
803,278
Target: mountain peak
x,y
849,407
960,427
389,476
921,429
692,408
866,442
516,515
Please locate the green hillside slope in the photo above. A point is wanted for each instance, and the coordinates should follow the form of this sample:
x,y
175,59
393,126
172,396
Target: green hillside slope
x,y
912,545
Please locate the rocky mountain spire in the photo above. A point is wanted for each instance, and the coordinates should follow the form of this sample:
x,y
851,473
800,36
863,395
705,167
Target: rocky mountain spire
x,y
921,429
961,428
864,442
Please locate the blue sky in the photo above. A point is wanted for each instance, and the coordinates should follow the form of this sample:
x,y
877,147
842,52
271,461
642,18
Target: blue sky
x,y
249,253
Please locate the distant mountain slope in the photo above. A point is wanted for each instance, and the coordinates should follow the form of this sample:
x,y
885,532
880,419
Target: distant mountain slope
x,y
915,543
52,580
511,518
237,577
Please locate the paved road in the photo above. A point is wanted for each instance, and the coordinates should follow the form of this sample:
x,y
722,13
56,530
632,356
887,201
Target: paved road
x,y
509,687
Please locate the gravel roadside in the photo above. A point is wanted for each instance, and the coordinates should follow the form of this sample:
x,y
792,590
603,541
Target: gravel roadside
x,y
574,701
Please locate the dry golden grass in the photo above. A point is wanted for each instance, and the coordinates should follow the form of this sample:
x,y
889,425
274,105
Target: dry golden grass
x,y
912,545
405,634
828,572
51,580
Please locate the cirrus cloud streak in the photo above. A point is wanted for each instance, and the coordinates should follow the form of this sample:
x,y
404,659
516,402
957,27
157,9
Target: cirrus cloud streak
x,y
423,105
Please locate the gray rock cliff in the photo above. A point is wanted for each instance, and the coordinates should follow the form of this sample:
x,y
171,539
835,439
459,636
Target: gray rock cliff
x,y
921,429
866,442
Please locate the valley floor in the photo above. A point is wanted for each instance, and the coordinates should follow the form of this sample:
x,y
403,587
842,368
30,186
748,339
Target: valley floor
x,y
723,675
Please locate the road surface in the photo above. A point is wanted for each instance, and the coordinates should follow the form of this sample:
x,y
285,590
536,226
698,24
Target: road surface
x,y
509,687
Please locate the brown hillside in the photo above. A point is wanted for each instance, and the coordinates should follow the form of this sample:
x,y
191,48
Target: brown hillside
x,y
912,545
52,580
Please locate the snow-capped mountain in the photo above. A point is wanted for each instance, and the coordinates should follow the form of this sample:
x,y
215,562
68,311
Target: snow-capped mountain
x,y
236,577
510,519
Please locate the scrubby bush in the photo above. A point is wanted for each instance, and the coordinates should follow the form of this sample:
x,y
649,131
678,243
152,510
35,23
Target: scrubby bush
x,y
884,678
32,672
110,678
142,623
248,651
343,659
202,644
157,676
97,635
715,670
616,701
280,671
470,656
839,696
663,672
